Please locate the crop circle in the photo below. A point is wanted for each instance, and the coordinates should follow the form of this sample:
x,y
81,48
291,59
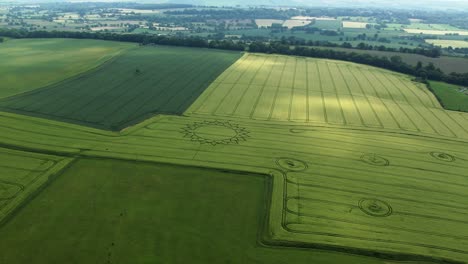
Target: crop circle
x,y
215,132
375,160
291,164
375,207
442,156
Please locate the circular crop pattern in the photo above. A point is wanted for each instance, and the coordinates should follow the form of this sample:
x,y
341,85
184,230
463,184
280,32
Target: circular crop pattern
x,y
373,159
215,132
291,164
374,207
443,156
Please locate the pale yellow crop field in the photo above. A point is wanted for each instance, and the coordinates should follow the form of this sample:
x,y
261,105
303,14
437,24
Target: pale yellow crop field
x,y
448,43
316,91
296,23
267,22
436,32
352,24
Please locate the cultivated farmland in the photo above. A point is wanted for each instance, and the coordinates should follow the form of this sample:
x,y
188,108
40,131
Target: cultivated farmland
x,y
144,81
37,63
281,159
207,216
282,88
436,32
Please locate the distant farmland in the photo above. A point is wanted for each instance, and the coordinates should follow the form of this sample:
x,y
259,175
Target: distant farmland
x,y
448,43
142,82
445,63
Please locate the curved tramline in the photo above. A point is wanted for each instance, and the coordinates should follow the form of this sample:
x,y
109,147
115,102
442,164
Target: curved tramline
x,y
333,162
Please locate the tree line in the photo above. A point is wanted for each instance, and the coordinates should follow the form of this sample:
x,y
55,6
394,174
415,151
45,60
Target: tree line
x,y
393,63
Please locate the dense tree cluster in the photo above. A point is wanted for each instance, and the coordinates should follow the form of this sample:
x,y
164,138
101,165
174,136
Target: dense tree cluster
x,y
394,63
433,52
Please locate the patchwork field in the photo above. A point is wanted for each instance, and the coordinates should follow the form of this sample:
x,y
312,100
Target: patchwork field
x,y
207,216
142,82
35,63
294,160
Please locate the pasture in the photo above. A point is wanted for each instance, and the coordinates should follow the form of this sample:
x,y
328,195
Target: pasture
x,y
141,82
280,159
35,63
453,97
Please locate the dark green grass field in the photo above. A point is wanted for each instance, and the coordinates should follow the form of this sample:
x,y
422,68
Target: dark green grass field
x,y
142,82
108,211
450,95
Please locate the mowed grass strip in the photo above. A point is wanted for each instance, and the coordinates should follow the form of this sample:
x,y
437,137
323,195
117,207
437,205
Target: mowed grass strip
x,y
109,211
28,64
142,82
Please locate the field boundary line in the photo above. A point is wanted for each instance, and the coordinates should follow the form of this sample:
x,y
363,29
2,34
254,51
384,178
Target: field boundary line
x,y
231,68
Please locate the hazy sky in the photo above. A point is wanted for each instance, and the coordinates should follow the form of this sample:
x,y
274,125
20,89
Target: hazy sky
x,y
411,4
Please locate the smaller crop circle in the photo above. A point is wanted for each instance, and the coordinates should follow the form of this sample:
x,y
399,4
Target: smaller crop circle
x,y
443,156
375,207
374,159
291,164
